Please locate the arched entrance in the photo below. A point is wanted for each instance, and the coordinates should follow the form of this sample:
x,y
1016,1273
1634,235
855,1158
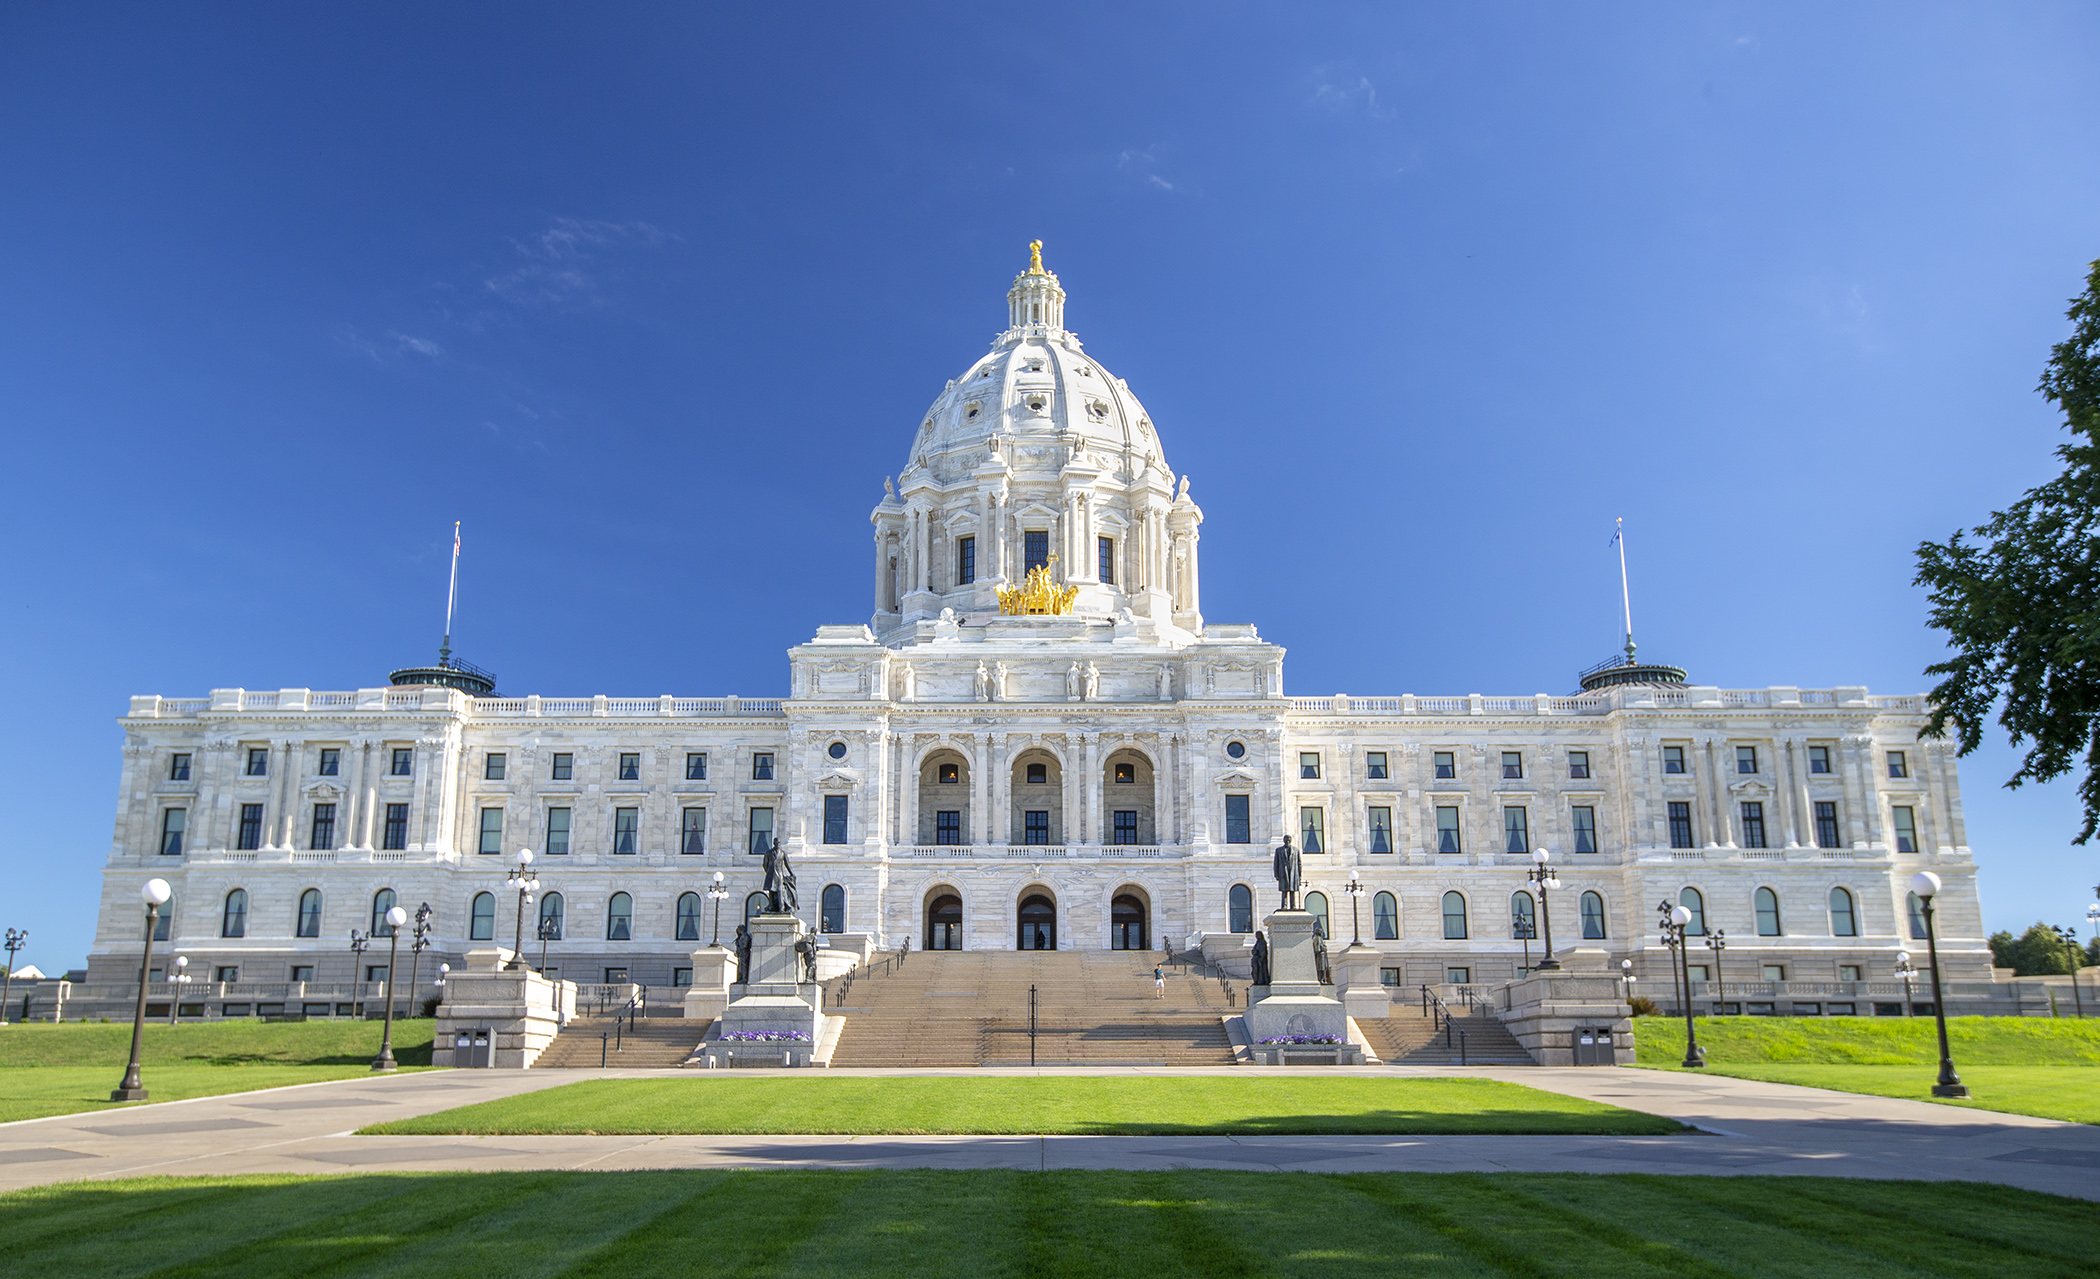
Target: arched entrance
x,y
1037,927
1126,923
944,922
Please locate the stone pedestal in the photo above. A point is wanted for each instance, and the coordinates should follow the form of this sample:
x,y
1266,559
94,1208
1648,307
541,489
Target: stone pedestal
x,y
1294,1004
1356,976
514,1011
776,1000
1552,1013
714,970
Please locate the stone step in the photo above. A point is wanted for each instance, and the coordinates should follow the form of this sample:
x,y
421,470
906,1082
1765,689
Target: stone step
x,y
646,1045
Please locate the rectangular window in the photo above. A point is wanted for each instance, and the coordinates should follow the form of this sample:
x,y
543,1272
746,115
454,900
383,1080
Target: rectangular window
x,y
1035,826
404,762
835,819
226,972
761,833
375,973
1772,972
681,978
557,832
1458,976
1906,829
331,761
947,827
614,976
1516,830
324,828
1826,824
1312,827
251,826
258,761
1126,773
1746,759
1447,830
692,832
1381,830
1673,759
1389,977
564,767
395,836
965,561
1035,549
1309,765
1578,764
1697,972
1374,766
492,767
1585,828
1680,825
1512,765
1445,764
179,767
626,824
172,823
1753,824
1238,827
1126,826
630,766
491,831
762,767
302,972
1898,765
1105,553
696,766
1819,759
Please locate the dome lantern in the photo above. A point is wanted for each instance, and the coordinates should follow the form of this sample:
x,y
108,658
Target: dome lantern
x,y
1036,300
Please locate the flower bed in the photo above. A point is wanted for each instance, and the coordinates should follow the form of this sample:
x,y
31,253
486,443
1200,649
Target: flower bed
x,y
1300,1039
765,1037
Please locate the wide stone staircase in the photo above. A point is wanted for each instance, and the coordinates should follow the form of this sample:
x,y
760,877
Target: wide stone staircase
x,y
647,1043
1411,1038
970,1008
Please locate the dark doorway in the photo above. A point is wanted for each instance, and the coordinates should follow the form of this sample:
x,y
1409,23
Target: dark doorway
x,y
1126,923
944,923
1038,927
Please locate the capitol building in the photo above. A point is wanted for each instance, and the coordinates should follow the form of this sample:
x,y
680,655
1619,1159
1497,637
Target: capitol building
x,y
1036,740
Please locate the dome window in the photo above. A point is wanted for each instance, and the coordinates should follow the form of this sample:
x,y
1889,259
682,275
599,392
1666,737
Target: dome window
x,y
970,410
1037,403
1097,410
1034,366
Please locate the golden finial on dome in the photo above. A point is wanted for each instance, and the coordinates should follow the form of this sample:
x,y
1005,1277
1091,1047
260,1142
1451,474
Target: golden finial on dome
x,y
1035,257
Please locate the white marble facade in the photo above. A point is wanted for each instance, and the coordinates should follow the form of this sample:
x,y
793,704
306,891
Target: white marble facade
x,y
1079,758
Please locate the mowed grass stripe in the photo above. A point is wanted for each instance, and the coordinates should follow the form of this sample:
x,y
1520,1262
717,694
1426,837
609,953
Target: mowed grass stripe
x,y
817,1224
1034,1104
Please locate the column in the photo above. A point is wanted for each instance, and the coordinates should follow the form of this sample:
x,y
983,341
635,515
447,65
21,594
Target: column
x,y
1166,785
370,802
1090,826
909,832
881,564
353,799
1945,782
1863,797
1718,831
284,794
1804,806
1002,789
1193,589
1783,790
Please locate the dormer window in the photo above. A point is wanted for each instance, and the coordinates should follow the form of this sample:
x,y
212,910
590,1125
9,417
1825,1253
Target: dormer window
x,y
1084,371
1034,366
1097,410
1037,403
970,410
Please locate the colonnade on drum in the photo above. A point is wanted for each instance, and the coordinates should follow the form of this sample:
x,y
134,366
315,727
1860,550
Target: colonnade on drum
x,y
1036,914
1028,800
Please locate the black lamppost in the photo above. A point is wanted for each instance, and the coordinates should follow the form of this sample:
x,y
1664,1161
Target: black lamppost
x,y
155,893
177,980
1927,885
1355,889
1626,978
359,943
1523,929
526,879
415,957
1674,920
1542,875
16,938
2069,937
395,917
718,893
549,929
1906,972
1718,942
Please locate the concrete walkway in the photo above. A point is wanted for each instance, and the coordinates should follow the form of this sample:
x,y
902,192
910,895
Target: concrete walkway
x,y
1751,1128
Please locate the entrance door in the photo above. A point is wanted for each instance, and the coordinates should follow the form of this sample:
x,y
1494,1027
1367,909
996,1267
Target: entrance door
x,y
1038,926
1126,923
944,923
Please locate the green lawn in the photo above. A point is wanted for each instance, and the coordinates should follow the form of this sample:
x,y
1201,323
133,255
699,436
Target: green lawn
x,y
813,1225
913,1104
65,1069
2020,1065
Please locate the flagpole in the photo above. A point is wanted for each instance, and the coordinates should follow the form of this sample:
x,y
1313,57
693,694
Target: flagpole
x,y
1625,594
452,594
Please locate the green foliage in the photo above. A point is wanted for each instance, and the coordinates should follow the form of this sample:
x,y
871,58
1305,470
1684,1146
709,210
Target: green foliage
x,y
1075,1225
1644,1007
2021,607
215,1043
1979,1041
912,1104
2038,952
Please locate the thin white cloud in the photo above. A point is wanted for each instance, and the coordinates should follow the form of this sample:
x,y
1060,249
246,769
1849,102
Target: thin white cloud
x,y
421,346
561,262
1338,89
1159,182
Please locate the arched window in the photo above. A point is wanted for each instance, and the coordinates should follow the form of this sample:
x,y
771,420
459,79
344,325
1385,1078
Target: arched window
x,y
1693,902
1768,913
481,918
1917,917
310,913
162,921
1844,921
1239,907
1316,904
619,918
1592,916
755,905
1454,917
553,914
382,902
831,917
688,917
1523,917
1385,917
234,922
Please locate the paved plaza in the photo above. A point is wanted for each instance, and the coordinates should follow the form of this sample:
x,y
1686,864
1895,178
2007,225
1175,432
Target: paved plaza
x,y
1747,1128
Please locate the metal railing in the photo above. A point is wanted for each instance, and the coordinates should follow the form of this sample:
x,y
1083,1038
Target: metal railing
x,y
1433,1006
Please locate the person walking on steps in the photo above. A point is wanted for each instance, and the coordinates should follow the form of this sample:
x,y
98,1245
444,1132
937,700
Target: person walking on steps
x,y
1159,982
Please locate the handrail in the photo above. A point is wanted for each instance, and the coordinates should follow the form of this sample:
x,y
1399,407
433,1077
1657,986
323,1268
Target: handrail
x,y
1433,1005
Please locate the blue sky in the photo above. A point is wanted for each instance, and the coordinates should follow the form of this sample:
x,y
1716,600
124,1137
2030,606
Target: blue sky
x,y
652,296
